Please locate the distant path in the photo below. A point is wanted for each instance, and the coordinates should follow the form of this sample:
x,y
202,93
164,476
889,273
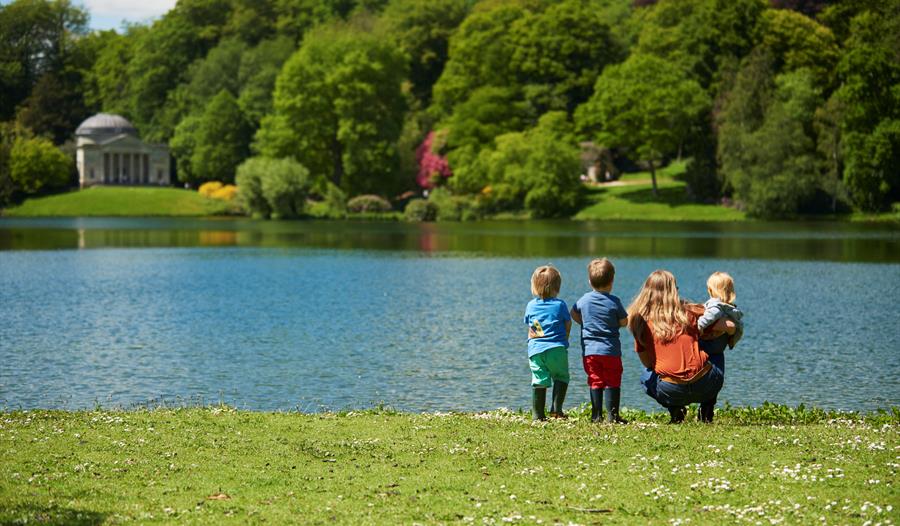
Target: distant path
x,y
633,182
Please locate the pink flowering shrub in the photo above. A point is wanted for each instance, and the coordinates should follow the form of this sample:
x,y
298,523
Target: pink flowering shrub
x,y
431,165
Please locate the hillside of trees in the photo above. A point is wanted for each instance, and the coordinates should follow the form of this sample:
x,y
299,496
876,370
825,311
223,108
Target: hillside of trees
x,y
784,107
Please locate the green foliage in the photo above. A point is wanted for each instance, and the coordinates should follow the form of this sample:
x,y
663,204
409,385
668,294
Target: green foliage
x,y
339,109
449,207
276,188
647,105
537,169
37,38
701,37
870,95
418,210
773,167
799,42
221,140
36,165
369,203
422,30
558,53
256,77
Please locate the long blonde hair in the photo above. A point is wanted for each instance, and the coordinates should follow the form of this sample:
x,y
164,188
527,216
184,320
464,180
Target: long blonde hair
x,y
658,304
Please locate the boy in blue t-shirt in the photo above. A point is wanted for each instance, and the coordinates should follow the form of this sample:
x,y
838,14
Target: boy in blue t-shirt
x,y
548,321
600,315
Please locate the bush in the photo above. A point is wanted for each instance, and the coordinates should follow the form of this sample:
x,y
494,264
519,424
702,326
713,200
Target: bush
x,y
36,164
455,207
208,189
275,188
226,193
333,204
418,210
369,203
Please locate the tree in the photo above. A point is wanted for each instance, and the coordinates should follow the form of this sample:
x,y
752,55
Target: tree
x,y
222,139
646,104
256,76
35,164
422,30
558,53
479,56
160,61
275,188
799,42
870,96
339,109
773,167
36,37
536,169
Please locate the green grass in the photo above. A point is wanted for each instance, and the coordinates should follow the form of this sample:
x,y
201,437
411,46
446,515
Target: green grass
x,y
636,201
222,466
121,201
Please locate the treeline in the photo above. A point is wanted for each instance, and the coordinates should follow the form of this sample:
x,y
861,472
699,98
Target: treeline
x,y
785,107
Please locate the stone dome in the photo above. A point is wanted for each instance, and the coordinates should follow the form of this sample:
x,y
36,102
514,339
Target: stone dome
x,y
105,124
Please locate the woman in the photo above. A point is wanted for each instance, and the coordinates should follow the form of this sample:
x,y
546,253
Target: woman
x,y
666,340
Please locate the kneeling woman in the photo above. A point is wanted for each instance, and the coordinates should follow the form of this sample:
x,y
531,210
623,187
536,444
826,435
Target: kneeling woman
x,y
666,340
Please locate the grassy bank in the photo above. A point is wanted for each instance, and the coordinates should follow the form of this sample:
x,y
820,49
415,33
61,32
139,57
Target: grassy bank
x,y
632,198
218,465
121,201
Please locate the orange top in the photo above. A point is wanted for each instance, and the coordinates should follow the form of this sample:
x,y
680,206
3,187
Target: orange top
x,y
680,358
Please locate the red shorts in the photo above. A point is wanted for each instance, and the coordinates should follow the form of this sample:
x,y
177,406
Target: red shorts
x,y
603,371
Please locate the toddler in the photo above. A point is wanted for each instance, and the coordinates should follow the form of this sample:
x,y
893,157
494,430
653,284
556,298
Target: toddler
x,y
548,321
719,307
600,315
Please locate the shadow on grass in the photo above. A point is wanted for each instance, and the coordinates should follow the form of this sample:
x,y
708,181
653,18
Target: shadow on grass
x,y
52,515
672,196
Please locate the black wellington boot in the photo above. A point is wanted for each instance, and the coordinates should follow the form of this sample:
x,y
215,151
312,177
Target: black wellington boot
x,y
707,411
677,414
596,405
559,396
613,395
538,403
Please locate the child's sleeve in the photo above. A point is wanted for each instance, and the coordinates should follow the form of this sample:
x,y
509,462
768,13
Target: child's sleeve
x,y
623,312
738,319
711,315
564,311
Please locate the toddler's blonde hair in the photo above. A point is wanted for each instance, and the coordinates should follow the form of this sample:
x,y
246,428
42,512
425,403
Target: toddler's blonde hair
x,y
601,273
721,287
545,282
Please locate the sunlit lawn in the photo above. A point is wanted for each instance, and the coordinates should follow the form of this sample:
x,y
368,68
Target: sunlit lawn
x,y
121,201
218,465
635,200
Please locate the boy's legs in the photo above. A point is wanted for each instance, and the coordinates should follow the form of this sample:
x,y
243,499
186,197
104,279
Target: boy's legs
x,y
557,360
613,379
540,381
593,367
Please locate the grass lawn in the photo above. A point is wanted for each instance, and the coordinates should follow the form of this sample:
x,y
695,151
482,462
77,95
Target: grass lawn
x,y
121,201
767,465
635,200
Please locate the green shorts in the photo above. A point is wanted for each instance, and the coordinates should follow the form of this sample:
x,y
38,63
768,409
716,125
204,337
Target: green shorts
x,y
552,363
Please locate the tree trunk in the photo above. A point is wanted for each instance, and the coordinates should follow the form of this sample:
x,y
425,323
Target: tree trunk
x,y
653,178
337,172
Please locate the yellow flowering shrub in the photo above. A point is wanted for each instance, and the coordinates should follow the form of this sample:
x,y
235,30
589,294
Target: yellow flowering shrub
x,y
208,189
226,193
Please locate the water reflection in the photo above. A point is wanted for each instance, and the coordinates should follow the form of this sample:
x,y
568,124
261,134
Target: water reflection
x,y
754,240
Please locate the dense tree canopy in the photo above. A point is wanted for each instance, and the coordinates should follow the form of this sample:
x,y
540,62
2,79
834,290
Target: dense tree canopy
x,y
785,106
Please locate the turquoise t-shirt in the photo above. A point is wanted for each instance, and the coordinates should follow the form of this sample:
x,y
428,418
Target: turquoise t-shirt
x,y
548,319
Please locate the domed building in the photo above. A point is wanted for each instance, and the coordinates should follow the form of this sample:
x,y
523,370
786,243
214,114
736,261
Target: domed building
x,y
110,152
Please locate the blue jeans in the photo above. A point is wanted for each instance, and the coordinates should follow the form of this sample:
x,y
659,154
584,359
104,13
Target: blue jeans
x,y
669,395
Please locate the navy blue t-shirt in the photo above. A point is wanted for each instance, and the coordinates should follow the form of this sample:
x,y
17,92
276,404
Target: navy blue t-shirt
x,y
548,319
601,314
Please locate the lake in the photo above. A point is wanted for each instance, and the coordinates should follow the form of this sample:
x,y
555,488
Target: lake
x,y
421,317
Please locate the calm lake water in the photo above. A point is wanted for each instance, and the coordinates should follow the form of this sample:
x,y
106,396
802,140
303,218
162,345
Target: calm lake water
x,y
313,315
